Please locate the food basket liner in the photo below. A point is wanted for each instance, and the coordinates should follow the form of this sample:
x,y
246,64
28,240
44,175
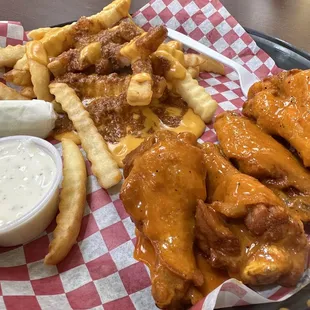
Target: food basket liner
x,y
100,271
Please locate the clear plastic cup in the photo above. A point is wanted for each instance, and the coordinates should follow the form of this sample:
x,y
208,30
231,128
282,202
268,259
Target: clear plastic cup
x,y
34,222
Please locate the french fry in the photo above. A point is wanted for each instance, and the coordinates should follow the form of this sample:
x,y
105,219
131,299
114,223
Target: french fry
x,y
172,50
183,84
58,40
69,135
90,53
58,66
144,45
176,70
18,77
193,71
57,107
38,34
205,63
139,92
86,57
176,45
104,166
110,14
22,64
196,97
193,60
159,86
10,55
28,92
72,203
8,93
40,76
211,65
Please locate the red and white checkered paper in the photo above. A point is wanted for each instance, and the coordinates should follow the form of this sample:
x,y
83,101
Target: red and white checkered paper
x,y
100,271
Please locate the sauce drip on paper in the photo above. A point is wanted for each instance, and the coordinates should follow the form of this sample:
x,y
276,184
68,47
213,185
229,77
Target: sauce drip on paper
x,y
144,252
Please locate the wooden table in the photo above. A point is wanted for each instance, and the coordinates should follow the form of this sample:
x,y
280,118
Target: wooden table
x,y
285,19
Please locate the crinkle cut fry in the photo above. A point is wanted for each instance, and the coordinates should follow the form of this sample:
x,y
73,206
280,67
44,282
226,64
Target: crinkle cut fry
x,y
81,59
111,14
145,44
104,166
139,91
28,92
61,39
9,55
193,71
8,93
22,64
39,33
204,63
40,75
94,86
18,77
72,203
195,95
173,51
138,51
100,49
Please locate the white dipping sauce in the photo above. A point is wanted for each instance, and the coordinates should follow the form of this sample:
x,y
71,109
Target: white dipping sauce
x,y
27,173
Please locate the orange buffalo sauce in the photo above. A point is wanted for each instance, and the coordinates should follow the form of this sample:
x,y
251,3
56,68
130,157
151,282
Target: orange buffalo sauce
x,y
144,252
212,277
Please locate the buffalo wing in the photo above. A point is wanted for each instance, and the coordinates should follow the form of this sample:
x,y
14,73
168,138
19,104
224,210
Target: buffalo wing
x,y
165,176
245,227
280,105
256,153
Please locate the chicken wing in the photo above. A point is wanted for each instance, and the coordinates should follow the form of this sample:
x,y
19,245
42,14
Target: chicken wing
x,y
169,290
256,153
280,105
263,244
164,178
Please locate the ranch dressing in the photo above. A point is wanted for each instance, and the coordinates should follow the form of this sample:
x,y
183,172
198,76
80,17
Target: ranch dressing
x,y
26,175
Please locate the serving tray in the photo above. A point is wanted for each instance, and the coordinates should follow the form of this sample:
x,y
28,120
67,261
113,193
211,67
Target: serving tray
x,y
286,57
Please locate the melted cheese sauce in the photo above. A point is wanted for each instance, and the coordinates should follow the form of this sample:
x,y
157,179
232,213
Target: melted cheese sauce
x,y
142,77
190,122
26,175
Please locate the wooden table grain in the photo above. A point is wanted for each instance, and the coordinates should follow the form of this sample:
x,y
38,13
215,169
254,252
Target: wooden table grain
x,y
285,19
